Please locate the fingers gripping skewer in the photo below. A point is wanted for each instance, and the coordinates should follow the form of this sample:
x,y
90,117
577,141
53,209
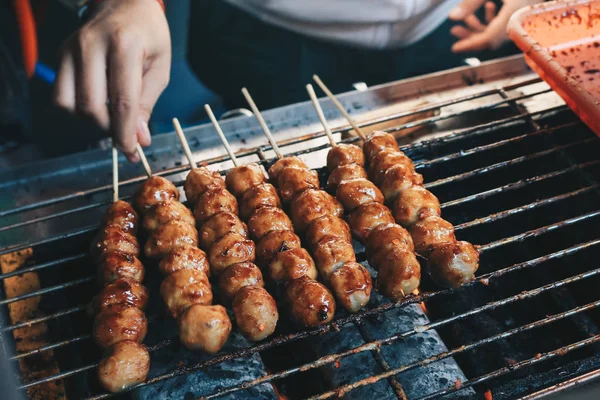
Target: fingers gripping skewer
x,y
184,143
262,122
319,110
115,165
224,140
140,152
339,106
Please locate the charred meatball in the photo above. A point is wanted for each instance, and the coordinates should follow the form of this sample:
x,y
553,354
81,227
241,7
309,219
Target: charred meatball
x,y
237,277
267,219
399,273
117,323
397,179
352,285
431,232
164,212
282,163
292,264
204,328
292,181
345,172
344,154
415,203
255,313
124,364
453,264
240,179
330,253
259,196
124,292
357,192
368,217
231,249
218,226
122,214
114,265
385,160
378,141
113,239
170,236
186,257
212,202
154,190
275,242
199,180
311,205
310,303
183,288
328,225
387,236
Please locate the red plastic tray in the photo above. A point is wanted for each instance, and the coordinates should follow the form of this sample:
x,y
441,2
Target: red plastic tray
x,y
561,42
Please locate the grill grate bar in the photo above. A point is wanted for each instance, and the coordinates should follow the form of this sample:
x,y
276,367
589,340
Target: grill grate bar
x,y
46,290
38,267
537,232
45,318
60,237
50,347
513,161
530,206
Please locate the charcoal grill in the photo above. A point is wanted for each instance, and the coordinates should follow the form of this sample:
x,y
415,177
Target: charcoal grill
x,y
516,172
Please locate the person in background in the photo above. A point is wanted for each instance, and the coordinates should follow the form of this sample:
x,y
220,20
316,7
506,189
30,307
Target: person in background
x,y
115,67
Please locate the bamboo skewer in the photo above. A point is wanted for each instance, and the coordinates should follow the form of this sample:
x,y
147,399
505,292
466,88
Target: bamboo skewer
x,y
140,152
224,140
184,143
319,110
115,166
339,106
262,122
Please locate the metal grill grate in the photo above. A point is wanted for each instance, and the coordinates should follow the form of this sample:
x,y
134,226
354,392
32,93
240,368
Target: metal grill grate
x,y
524,187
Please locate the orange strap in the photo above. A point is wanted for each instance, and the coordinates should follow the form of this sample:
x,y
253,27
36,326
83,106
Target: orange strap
x,y
28,34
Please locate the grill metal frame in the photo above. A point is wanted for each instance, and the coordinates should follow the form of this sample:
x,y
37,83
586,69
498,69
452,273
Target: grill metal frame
x,y
521,116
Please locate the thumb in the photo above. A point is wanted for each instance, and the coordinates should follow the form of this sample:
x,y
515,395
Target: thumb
x,y
156,80
465,8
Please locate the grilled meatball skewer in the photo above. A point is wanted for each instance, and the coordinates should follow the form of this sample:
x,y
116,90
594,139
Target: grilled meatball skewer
x,y
120,324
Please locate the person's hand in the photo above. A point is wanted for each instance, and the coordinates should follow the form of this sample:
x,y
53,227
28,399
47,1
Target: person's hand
x,y
488,35
115,67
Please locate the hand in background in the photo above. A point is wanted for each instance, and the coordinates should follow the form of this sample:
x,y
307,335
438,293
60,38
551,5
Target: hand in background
x,y
115,67
488,35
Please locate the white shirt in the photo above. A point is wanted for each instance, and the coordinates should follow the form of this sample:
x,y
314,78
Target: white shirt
x,y
375,24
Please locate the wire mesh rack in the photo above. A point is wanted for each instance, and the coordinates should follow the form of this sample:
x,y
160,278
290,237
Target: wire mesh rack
x,y
523,187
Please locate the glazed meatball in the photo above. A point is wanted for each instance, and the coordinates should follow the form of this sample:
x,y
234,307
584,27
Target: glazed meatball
x,y
293,181
310,303
345,172
378,141
415,203
113,239
218,226
116,323
163,212
397,179
183,288
431,232
240,179
343,154
212,202
368,217
328,225
231,249
122,292
123,365
399,273
267,219
122,214
387,236
255,313
170,236
385,160
453,264
199,180
275,242
358,192
154,190
330,253
311,205
292,264
282,163
204,328
186,257
259,196
114,265
352,286
237,277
